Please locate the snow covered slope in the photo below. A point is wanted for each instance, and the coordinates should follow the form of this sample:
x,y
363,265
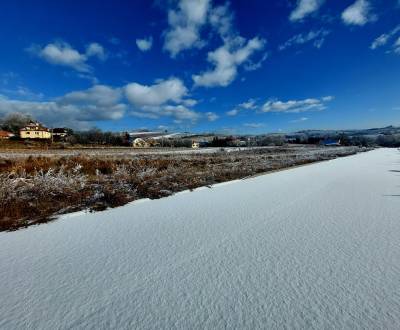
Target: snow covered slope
x,y
312,247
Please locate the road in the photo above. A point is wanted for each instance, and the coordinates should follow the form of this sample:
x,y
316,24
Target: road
x,y
312,247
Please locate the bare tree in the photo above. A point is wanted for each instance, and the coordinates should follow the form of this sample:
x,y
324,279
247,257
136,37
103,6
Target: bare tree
x,y
14,121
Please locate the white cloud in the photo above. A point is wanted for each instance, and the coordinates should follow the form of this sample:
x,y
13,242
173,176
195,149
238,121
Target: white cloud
x,y
63,54
180,113
317,37
164,98
144,44
171,90
97,50
302,119
189,102
380,41
296,106
359,13
253,125
250,104
328,98
226,60
77,110
221,18
396,46
81,109
100,95
22,92
305,8
185,23
233,112
384,38
211,116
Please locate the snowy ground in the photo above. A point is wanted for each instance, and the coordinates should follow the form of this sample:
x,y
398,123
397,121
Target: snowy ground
x,y
314,247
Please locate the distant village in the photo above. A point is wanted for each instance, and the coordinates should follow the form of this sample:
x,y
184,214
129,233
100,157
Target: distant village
x,y
34,131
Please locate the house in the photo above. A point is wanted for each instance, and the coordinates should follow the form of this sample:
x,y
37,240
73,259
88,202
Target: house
x,y
331,143
35,130
59,134
200,144
5,135
140,143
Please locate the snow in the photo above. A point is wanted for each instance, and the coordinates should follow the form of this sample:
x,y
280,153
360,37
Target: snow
x,y
312,247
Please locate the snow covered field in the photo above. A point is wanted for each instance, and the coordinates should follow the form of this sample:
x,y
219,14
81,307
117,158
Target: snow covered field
x,y
311,247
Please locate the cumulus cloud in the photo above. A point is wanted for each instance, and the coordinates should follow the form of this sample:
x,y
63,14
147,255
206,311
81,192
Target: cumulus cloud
x,y
180,113
248,105
78,110
305,8
99,95
164,98
63,54
170,90
296,106
220,19
96,50
185,23
81,109
211,116
316,37
144,44
226,60
359,13
233,112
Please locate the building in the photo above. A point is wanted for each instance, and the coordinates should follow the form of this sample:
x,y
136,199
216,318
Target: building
x,y
35,130
200,144
139,143
5,135
59,134
62,132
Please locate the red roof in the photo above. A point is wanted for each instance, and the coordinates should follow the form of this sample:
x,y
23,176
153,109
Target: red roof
x,y
5,134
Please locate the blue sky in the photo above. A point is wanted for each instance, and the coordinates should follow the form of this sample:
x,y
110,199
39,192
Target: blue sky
x,y
201,65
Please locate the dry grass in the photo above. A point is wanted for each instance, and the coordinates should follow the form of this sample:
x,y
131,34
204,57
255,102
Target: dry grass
x,y
35,189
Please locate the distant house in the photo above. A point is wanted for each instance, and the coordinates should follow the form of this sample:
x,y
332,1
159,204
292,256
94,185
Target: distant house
x,y
35,130
4,135
331,143
200,144
139,143
59,134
